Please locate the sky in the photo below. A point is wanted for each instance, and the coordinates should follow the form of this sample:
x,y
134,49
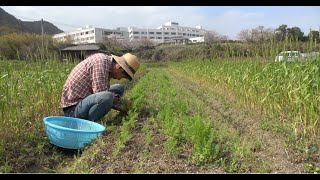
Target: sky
x,y
226,20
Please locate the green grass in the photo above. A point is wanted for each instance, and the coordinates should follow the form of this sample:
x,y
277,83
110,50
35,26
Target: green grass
x,y
29,92
287,91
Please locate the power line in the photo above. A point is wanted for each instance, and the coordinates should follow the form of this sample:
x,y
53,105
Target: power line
x,y
28,18
59,23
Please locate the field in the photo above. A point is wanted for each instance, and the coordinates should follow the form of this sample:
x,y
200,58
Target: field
x,y
192,116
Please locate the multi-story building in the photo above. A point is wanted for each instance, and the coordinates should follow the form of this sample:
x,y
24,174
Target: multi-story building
x,y
91,34
165,32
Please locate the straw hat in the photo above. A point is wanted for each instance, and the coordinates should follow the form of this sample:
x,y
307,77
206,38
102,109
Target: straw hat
x,y
130,63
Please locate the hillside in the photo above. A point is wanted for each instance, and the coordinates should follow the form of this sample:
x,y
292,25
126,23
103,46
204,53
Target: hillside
x,y
8,24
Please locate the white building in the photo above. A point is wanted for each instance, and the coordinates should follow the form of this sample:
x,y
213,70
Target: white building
x,y
162,34
165,32
196,39
91,34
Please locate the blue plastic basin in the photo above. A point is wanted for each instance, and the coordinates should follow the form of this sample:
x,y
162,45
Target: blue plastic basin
x,y
71,133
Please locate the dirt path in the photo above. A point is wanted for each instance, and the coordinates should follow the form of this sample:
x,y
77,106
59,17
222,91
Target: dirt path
x,y
139,157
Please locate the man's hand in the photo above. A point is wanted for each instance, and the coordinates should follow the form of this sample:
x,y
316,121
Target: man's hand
x,y
116,95
120,109
116,99
117,104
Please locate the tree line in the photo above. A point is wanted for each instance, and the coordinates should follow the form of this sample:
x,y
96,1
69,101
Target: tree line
x,y
30,46
261,33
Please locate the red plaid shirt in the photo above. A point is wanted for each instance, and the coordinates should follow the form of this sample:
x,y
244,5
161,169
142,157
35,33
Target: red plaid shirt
x,y
88,77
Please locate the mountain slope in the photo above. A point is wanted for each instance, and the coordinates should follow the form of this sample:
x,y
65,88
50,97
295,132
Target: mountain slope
x,y
8,23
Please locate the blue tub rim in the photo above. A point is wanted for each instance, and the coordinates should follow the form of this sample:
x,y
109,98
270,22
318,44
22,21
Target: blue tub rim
x,y
47,123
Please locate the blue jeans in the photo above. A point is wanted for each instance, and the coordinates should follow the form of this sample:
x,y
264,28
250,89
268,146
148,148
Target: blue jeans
x,y
95,106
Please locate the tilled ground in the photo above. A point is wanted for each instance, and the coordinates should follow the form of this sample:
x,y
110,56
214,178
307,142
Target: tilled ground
x,y
273,152
272,156
136,157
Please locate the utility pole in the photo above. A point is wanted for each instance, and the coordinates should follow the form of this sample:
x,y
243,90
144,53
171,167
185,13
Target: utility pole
x,y
42,33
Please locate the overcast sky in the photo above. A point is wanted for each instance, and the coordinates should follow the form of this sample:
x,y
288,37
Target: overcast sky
x,y
227,20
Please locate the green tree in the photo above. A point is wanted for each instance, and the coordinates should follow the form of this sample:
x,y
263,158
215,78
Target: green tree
x,y
281,32
315,36
295,33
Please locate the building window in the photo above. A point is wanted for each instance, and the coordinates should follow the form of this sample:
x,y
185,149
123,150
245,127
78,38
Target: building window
x,y
159,33
107,33
173,33
135,32
166,33
151,32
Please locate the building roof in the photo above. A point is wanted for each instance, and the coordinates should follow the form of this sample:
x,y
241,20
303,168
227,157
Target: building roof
x,y
82,47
